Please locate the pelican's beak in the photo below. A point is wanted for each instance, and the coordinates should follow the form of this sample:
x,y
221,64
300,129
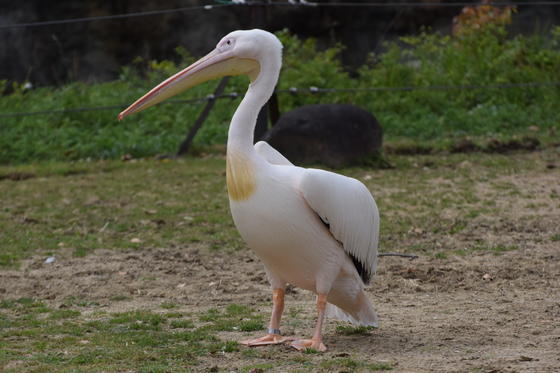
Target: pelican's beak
x,y
216,64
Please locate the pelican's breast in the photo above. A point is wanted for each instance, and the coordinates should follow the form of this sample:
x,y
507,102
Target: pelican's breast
x,y
240,176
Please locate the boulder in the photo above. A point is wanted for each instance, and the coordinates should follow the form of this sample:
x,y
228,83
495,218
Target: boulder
x,y
335,135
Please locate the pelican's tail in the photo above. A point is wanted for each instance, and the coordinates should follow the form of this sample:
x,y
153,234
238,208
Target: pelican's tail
x,y
359,313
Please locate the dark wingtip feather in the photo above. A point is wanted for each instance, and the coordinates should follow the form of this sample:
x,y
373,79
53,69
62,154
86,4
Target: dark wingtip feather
x,y
364,273
362,270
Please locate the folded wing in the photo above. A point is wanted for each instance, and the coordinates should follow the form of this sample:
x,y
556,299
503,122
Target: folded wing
x,y
347,207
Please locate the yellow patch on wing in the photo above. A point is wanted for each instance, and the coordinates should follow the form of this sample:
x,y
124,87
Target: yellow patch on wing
x,y
240,177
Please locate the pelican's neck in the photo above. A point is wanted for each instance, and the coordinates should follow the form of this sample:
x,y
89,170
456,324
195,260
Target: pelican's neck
x,y
242,127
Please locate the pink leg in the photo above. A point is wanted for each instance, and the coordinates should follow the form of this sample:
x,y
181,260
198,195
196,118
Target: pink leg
x,y
273,336
316,342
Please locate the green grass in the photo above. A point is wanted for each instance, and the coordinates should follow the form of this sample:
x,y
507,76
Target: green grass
x,y
356,365
417,119
143,339
53,211
495,249
354,330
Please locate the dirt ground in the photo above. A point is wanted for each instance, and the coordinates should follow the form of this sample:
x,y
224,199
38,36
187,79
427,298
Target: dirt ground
x,y
489,313
486,311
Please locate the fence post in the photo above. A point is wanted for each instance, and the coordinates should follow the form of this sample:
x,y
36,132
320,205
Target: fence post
x,y
185,145
259,19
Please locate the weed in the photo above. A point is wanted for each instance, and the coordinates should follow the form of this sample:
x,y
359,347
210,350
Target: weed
x,y
119,298
353,364
354,330
257,367
168,305
63,314
183,324
251,325
495,249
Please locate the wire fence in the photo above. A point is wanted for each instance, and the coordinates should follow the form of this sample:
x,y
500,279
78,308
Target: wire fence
x,y
404,4
115,16
295,91
289,3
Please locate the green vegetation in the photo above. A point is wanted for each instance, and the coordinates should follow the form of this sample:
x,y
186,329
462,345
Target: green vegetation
x,y
356,365
354,330
84,206
145,340
423,117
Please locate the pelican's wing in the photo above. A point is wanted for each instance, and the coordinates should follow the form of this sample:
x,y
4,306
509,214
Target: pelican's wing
x,y
349,210
270,154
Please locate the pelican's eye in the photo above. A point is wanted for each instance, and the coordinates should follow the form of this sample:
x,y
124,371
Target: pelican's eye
x,y
226,44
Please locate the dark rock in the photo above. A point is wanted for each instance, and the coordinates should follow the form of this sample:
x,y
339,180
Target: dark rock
x,y
334,135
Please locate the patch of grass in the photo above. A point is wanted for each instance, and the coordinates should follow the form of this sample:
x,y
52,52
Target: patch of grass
x,y
212,314
227,346
237,310
460,252
496,249
555,238
257,367
354,364
168,305
67,340
354,330
64,314
251,325
120,298
78,302
183,324
310,351
174,315
458,227
139,320
234,318
41,215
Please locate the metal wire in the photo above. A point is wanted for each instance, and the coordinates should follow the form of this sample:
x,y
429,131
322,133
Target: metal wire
x,y
301,3
418,88
101,108
407,4
115,16
293,91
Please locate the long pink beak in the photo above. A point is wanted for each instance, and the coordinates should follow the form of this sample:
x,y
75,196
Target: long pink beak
x,y
214,65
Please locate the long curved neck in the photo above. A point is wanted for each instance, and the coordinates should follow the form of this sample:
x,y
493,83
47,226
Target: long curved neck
x,y
242,127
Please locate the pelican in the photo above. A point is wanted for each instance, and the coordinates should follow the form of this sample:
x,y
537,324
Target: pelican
x,y
314,229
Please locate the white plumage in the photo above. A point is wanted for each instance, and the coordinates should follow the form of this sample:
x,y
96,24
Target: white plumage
x,y
312,228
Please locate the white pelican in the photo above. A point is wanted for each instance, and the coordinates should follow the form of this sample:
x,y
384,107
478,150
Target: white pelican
x,y
314,229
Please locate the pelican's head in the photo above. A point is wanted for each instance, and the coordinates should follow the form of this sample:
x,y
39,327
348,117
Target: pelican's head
x,y
240,52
